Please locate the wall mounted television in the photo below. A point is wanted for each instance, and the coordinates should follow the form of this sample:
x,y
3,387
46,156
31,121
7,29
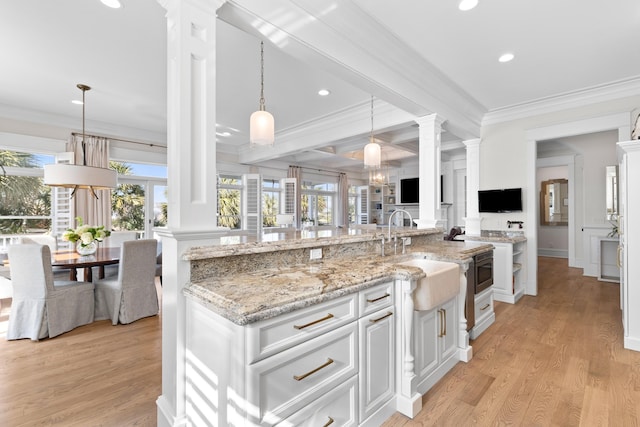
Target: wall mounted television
x,y
409,190
506,200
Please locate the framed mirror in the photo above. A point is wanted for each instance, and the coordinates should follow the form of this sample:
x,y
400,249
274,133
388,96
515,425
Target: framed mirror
x,y
611,191
554,202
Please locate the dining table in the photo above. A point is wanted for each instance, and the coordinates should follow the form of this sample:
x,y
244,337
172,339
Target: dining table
x,y
72,260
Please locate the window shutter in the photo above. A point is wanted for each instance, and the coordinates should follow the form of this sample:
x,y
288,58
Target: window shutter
x,y
252,203
289,197
363,205
62,206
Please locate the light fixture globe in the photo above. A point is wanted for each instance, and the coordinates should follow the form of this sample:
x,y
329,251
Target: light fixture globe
x,y
372,155
261,128
261,123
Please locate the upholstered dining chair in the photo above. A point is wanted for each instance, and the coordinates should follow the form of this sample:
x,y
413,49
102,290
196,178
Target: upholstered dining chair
x,y
131,293
42,307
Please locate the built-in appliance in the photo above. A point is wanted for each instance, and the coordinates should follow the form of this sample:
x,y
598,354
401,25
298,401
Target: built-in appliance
x,y
506,200
479,278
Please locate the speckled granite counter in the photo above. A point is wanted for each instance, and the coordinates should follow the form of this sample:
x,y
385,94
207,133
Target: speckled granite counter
x,y
495,236
251,281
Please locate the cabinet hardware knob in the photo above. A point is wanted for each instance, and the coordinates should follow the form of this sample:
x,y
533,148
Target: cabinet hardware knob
x,y
327,317
619,257
328,422
381,318
379,298
485,307
440,334
303,376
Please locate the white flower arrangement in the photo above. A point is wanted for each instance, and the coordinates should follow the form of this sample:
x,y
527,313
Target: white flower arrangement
x,y
86,234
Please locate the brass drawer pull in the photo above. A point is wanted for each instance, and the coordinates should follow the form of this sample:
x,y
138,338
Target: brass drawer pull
x,y
327,317
303,376
379,298
485,307
444,321
381,318
328,422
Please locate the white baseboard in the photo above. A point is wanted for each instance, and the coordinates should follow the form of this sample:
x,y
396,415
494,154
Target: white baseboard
x,y
553,253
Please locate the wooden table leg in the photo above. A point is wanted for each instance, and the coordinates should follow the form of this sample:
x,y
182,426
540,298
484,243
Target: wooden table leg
x,y
88,274
101,272
73,274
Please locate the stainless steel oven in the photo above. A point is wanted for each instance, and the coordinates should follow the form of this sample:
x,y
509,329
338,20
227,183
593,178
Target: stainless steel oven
x,y
483,271
479,278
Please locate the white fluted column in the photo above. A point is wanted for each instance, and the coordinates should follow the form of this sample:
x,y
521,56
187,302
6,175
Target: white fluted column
x,y
430,128
473,221
191,179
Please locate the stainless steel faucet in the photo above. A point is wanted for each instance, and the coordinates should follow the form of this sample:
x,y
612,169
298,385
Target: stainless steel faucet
x,y
391,220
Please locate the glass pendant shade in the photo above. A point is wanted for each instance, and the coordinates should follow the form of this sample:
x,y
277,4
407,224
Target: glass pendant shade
x,y
372,155
261,128
261,123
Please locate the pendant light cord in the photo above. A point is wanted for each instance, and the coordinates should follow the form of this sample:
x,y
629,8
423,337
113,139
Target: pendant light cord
x,y
262,107
371,134
83,88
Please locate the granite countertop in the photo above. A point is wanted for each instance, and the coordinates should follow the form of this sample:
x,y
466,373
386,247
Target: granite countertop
x,y
497,236
263,294
306,238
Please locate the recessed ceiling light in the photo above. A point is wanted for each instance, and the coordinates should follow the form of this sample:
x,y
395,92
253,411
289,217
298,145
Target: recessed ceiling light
x,y
323,92
113,4
467,4
506,57
77,102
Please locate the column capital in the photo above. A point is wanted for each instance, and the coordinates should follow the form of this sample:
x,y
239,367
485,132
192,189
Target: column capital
x,y
210,6
472,142
431,119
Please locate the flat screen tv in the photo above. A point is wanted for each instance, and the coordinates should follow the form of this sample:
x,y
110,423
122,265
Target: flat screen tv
x,y
409,190
506,200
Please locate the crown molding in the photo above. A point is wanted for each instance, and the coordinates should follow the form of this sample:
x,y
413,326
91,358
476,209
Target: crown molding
x,y
579,98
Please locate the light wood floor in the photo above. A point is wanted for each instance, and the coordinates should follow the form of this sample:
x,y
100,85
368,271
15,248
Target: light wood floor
x,y
555,359
552,360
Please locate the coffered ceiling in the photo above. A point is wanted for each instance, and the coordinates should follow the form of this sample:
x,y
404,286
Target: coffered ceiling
x,y
415,57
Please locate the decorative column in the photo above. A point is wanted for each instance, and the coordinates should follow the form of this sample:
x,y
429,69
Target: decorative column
x,y
191,162
430,128
473,220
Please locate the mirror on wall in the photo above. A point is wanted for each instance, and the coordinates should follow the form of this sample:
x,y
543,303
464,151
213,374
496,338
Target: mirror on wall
x,y
611,191
554,202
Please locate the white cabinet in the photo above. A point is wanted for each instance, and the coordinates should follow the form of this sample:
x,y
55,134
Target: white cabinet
x,y
508,271
382,199
435,343
484,314
377,368
333,362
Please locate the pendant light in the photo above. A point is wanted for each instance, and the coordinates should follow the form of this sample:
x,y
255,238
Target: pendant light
x,y
372,152
261,123
80,176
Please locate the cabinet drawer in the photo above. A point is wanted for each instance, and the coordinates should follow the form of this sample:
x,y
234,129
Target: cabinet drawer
x,y
483,304
280,333
375,298
336,408
284,383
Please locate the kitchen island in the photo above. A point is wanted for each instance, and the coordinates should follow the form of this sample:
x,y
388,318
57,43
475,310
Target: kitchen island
x,y
281,337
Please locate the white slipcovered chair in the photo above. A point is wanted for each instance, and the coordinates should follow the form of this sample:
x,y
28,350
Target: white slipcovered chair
x,y
131,293
41,239
43,307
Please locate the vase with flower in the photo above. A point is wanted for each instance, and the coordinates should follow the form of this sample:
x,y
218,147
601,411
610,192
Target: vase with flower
x,y
86,237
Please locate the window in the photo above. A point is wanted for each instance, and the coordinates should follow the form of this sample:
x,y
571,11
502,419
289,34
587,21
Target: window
x,y
317,203
25,203
270,202
352,203
140,200
229,197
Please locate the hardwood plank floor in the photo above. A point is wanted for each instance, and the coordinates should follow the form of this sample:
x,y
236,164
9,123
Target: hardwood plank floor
x,y
552,360
95,375
555,359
